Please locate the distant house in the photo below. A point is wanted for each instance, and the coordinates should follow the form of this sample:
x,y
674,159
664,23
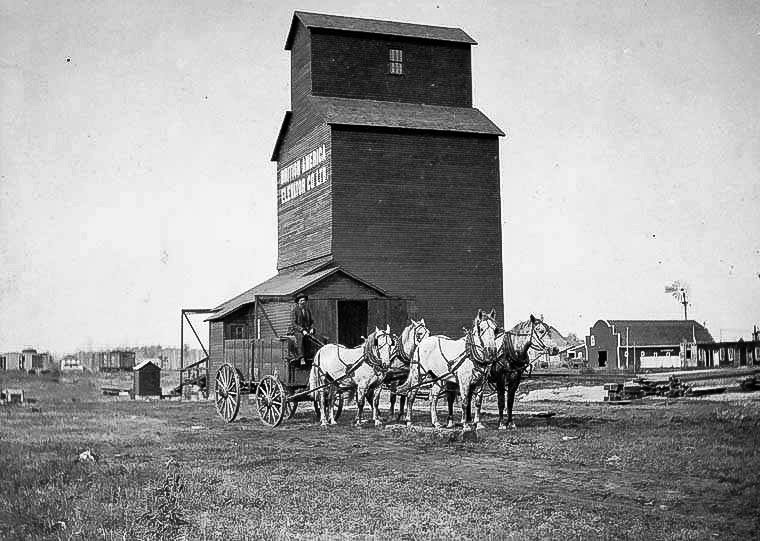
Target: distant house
x,y
734,353
13,361
575,355
70,363
28,359
625,344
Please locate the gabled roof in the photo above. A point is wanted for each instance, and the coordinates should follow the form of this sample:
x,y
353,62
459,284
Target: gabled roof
x,y
374,26
660,332
145,363
286,284
395,114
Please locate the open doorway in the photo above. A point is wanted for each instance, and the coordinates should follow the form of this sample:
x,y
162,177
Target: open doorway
x,y
602,358
352,322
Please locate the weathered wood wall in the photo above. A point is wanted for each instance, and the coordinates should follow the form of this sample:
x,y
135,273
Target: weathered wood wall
x,y
356,66
419,214
304,223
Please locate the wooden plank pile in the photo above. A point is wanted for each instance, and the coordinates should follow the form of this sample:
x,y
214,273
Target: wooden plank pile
x,y
640,387
751,383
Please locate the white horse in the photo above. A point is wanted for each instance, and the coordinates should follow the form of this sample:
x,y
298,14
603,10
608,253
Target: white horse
x,y
360,369
442,360
512,360
407,344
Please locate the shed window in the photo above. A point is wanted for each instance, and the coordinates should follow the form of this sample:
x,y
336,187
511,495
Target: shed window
x,y
237,332
593,340
395,61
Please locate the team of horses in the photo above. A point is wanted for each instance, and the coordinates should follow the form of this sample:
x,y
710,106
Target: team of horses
x,y
486,357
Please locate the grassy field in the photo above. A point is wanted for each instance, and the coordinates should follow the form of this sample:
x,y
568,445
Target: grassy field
x,y
675,469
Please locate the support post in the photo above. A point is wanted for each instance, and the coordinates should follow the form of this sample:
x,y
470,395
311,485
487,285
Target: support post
x,y
181,348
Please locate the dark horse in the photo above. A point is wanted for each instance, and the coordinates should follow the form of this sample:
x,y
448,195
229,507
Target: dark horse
x,y
513,358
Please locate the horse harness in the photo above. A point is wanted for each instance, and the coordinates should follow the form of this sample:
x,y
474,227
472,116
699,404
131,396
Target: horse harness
x,y
473,351
368,355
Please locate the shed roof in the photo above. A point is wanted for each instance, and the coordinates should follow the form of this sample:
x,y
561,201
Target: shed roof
x,y
395,114
374,26
284,284
660,332
145,363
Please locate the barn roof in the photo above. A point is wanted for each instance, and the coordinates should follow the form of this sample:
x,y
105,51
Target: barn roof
x,y
660,332
374,26
394,114
285,284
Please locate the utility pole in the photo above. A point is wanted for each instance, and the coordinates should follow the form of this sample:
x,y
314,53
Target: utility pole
x,y
685,303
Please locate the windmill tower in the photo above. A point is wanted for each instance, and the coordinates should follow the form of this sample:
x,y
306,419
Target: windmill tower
x,y
680,292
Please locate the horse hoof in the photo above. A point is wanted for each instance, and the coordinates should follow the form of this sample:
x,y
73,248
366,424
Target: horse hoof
x,y
437,425
409,424
511,426
333,422
502,427
378,423
480,426
450,424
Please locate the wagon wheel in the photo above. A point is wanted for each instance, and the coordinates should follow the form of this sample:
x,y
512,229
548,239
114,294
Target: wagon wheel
x,y
337,407
227,392
271,401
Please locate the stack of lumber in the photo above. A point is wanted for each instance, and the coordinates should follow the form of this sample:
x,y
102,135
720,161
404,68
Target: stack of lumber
x,y
641,387
750,384
619,392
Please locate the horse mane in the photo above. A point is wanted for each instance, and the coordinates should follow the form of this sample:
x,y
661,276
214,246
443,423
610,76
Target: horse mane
x,y
520,326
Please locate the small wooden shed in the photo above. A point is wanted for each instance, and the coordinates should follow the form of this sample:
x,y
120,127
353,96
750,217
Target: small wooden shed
x,y
147,380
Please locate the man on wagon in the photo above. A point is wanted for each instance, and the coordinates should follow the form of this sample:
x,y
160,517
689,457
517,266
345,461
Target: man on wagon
x,y
301,325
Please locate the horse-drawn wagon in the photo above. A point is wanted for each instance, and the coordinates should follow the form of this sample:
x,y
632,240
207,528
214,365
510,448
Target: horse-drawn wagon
x,y
278,382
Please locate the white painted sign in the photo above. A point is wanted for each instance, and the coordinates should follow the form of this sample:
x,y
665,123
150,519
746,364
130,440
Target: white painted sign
x,y
660,361
302,174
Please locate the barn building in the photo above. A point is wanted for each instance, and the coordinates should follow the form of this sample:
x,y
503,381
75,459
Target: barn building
x,y
617,344
388,189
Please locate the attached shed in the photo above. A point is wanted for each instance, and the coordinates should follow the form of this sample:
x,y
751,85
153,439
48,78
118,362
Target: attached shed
x,y
147,380
345,308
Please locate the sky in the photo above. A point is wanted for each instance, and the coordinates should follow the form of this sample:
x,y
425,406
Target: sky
x,y
135,145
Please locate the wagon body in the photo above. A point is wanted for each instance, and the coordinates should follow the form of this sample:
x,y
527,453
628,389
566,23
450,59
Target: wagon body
x,y
269,372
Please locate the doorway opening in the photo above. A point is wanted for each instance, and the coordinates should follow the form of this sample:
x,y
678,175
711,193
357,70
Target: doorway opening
x,y
602,358
352,322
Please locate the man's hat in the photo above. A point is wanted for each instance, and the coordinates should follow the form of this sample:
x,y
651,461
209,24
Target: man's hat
x,y
301,296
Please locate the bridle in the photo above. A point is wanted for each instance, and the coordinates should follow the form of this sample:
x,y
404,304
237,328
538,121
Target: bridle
x,y
477,351
373,349
535,343
418,333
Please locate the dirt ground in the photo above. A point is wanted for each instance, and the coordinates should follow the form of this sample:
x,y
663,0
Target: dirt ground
x,y
659,469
